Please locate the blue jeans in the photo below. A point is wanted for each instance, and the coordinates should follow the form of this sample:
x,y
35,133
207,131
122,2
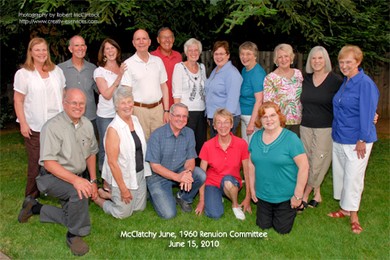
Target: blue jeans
x,y
161,195
236,121
213,206
102,124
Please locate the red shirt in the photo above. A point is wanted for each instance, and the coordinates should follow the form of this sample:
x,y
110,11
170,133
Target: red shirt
x,y
220,162
169,63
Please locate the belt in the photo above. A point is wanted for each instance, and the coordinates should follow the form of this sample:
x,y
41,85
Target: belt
x,y
43,172
152,105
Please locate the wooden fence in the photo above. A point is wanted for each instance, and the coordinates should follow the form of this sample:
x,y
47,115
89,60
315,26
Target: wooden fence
x,y
381,75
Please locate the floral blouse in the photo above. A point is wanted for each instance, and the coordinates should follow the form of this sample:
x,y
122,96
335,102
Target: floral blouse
x,y
286,93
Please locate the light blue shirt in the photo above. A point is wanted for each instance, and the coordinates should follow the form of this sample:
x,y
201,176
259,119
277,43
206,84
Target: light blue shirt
x,y
222,90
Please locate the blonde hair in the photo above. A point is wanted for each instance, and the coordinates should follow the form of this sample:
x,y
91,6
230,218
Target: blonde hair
x,y
284,47
29,63
223,113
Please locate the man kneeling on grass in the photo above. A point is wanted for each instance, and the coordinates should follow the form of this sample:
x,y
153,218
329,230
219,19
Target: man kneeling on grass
x,y
171,154
68,148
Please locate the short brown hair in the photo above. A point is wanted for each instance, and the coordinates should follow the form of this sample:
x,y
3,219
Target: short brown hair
x,y
223,44
261,113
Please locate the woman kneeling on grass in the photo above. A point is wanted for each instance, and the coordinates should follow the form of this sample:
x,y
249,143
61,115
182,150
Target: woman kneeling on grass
x,y
124,164
278,170
222,157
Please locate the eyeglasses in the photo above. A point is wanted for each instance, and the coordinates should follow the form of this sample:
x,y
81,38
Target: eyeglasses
x,y
224,123
179,116
272,116
75,104
219,54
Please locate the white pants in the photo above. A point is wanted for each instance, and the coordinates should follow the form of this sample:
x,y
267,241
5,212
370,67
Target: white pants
x,y
348,175
244,124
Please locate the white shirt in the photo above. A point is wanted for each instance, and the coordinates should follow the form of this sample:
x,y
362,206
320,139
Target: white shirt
x,y
39,97
126,156
189,87
105,108
145,78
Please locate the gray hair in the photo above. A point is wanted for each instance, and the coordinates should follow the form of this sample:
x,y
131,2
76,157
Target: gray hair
x,y
121,93
177,105
284,47
190,42
325,55
249,46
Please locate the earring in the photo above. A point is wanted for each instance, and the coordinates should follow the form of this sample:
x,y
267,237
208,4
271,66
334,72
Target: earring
x,y
104,59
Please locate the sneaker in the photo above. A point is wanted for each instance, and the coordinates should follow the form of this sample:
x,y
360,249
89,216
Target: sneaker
x,y
26,212
185,207
238,213
77,245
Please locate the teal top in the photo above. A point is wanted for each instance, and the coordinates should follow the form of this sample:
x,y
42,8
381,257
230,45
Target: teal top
x,y
252,84
275,169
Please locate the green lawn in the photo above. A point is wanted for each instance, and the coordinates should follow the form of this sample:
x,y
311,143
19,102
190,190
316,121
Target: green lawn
x,y
314,234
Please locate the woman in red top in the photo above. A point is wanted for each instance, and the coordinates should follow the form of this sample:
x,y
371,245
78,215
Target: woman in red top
x,y
222,158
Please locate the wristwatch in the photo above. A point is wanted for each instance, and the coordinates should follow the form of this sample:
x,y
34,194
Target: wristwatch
x,y
93,181
362,141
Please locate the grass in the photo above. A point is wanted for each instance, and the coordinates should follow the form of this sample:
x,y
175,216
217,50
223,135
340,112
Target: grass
x,y
314,234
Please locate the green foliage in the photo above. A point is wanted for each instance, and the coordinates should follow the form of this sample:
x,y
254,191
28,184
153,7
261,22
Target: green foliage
x,y
331,23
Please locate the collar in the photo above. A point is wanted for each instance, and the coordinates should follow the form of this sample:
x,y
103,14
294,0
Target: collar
x,y
216,143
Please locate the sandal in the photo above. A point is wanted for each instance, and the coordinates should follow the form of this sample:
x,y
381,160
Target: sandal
x,y
302,207
356,228
313,203
338,214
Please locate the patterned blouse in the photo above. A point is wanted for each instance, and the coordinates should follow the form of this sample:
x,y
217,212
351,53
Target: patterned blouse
x,y
286,93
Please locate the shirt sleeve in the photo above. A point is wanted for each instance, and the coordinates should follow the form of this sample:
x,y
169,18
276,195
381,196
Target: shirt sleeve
x,y
153,152
233,85
177,80
269,93
368,101
20,84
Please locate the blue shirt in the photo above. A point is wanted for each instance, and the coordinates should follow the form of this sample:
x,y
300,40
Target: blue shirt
x,y
252,84
222,90
354,107
170,151
275,170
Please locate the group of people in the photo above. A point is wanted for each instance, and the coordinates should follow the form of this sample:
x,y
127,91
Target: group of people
x,y
152,118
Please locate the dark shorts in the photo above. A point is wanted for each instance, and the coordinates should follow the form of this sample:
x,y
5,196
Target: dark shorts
x,y
279,216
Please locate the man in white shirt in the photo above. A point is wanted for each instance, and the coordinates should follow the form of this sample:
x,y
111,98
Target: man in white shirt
x,y
147,76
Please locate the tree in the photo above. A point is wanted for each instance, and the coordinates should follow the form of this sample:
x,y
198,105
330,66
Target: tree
x,y
331,23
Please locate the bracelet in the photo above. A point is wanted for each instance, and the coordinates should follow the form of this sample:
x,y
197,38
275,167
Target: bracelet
x,y
297,198
93,181
166,111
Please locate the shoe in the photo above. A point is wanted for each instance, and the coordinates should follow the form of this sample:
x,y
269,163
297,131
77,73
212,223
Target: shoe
x,y
77,245
313,204
356,228
238,213
26,212
302,207
185,207
338,214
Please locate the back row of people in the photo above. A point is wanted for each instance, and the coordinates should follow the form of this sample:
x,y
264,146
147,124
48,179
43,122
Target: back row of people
x,y
193,94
